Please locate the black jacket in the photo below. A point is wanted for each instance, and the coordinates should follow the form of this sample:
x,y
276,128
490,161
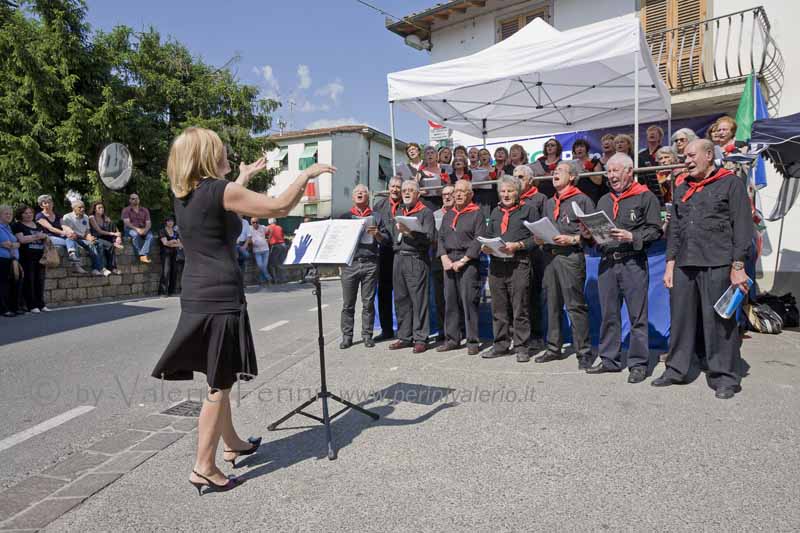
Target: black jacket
x,y
516,231
640,214
461,241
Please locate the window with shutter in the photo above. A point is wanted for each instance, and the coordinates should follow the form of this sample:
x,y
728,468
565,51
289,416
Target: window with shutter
x,y
509,26
676,52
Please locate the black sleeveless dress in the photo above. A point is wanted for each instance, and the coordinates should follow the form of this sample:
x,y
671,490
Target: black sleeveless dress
x,y
213,334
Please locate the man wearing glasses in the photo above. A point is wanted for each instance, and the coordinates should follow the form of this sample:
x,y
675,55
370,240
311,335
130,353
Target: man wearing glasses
x,y
137,225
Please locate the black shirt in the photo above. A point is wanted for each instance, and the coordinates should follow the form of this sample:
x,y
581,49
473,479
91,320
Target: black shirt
x,y
567,223
714,227
461,241
648,159
640,214
384,206
516,230
536,205
371,250
56,223
593,190
32,250
175,237
418,241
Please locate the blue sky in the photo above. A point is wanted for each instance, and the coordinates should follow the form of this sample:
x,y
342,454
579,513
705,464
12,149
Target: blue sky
x,y
330,56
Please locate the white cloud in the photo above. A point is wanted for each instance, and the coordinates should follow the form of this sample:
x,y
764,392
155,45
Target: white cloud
x,y
332,90
304,73
308,107
273,87
332,123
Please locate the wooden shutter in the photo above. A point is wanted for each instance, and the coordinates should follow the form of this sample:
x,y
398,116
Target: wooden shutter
x,y
508,27
678,62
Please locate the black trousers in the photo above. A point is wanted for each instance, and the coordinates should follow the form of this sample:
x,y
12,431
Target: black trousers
x,y
10,288
33,281
365,275
509,282
411,297
437,274
385,281
564,280
625,279
171,271
462,295
536,300
696,328
106,248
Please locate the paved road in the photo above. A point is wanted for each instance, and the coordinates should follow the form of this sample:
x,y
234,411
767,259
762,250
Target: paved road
x,y
101,356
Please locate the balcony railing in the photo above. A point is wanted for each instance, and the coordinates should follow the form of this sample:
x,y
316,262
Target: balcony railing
x,y
720,51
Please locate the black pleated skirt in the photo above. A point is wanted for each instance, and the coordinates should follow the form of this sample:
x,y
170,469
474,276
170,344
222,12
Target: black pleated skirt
x,y
218,345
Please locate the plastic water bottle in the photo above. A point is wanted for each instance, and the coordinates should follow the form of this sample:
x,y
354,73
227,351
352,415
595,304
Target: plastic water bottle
x,y
730,301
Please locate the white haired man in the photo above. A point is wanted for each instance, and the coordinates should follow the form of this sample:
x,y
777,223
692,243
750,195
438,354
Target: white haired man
x,y
363,271
623,272
709,237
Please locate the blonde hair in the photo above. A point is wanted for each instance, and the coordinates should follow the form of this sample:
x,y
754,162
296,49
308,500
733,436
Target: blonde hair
x,y
195,154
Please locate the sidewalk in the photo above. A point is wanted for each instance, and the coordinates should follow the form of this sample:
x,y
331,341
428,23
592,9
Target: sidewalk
x,y
514,447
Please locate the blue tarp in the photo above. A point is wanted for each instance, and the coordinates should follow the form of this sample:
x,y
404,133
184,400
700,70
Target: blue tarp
x,y
658,308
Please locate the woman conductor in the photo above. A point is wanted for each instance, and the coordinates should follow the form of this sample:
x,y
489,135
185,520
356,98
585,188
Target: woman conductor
x,y
213,334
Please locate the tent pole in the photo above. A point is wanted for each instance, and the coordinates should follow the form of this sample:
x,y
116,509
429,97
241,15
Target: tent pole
x,y
778,255
484,133
391,127
636,109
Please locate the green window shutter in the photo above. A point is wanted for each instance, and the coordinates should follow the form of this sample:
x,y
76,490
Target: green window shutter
x,y
309,156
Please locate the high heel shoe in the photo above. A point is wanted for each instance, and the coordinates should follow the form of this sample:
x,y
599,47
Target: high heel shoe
x,y
212,487
254,444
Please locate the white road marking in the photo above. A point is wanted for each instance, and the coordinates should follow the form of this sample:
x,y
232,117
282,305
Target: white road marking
x,y
314,308
274,325
22,436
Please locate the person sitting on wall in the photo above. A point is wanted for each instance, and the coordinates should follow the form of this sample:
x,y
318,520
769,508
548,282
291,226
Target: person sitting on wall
x,y
78,222
109,238
137,223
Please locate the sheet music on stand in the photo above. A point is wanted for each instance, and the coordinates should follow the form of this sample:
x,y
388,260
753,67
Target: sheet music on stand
x,y
327,242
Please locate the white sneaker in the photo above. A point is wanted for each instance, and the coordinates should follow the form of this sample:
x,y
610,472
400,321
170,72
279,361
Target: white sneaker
x,y
46,309
96,272
35,311
106,272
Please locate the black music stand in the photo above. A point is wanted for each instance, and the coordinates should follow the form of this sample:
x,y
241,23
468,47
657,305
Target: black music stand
x,y
324,393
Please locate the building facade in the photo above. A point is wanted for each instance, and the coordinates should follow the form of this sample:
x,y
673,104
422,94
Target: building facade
x,y
703,49
361,155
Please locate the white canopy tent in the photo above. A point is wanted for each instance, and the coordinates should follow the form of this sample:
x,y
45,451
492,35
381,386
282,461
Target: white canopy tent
x,y
541,81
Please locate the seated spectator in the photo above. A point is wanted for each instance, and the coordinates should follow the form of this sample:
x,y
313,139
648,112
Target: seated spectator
x,y
592,186
277,251
50,222
78,222
680,140
474,159
10,269
258,236
607,144
171,258
137,225
243,243
32,241
460,170
108,236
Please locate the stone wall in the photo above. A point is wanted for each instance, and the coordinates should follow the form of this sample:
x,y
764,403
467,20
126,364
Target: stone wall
x,y
63,286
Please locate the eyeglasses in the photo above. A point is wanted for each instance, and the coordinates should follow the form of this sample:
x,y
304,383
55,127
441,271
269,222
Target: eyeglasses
x,y
681,140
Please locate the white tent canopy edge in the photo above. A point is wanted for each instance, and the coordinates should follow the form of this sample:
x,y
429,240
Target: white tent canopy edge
x,y
541,81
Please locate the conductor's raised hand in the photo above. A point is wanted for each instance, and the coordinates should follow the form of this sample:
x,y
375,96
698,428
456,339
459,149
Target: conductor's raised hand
x,y
318,168
246,172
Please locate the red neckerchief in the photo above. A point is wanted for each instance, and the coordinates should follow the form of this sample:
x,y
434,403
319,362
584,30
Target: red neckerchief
x,y
468,209
548,166
588,165
528,194
419,206
681,178
359,213
394,206
634,190
506,215
568,192
697,186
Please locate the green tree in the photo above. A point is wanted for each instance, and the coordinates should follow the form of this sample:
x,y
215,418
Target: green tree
x,y
64,96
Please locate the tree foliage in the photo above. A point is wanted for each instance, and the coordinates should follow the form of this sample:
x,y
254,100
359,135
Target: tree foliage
x,y
66,93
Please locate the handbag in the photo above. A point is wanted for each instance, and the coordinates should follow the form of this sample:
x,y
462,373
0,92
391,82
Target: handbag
x,y
180,257
50,256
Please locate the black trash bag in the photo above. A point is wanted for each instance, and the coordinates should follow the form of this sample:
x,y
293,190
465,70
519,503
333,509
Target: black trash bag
x,y
785,306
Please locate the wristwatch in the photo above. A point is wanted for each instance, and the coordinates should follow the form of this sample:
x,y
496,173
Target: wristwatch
x,y
737,265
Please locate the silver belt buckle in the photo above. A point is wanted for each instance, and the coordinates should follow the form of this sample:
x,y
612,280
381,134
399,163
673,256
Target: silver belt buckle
x,y
617,256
